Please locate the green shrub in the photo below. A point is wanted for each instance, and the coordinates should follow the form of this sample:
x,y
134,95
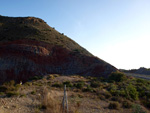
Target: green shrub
x,y
117,77
113,105
88,89
10,83
1,93
102,97
146,102
80,84
58,85
28,84
36,78
122,92
12,93
126,104
114,98
131,92
139,80
3,88
113,90
68,84
33,92
9,86
137,109
95,84
107,95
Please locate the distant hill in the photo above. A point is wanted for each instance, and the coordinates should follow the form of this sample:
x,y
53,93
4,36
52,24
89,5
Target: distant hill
x,y
141,70
29,47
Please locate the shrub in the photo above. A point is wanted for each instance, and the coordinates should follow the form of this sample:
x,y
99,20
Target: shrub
x,y
126,104
114,98
12,93
95,84
28,84
137,109
79,85
117,77
113,105
33,92
107,95
138,80
88,89
146,102
131,92
102,97
113,90
51,77
49,104
3,88
35,78
58,85
9,86
68,84
10,83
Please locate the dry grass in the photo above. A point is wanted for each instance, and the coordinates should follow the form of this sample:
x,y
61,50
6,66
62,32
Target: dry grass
x,y
49,103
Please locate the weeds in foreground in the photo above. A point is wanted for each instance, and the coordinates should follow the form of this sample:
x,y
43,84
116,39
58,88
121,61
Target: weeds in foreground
x,y
49,103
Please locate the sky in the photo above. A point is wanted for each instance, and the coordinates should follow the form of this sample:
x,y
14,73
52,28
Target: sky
x,y
117,31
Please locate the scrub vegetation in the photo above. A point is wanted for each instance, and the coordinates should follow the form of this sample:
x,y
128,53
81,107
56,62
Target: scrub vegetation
x,y
119,93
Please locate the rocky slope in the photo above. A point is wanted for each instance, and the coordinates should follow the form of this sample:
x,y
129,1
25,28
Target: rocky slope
x,y
29,47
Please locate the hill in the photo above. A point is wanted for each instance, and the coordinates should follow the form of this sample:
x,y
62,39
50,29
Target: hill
x,y
141,70
29,47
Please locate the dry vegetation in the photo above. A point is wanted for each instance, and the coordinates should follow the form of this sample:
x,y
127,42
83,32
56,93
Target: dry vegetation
x,y
85,95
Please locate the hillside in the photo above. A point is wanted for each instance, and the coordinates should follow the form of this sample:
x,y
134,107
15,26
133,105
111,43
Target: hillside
x,y
29,47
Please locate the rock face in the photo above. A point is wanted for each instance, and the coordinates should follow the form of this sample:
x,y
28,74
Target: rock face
x,y
29,47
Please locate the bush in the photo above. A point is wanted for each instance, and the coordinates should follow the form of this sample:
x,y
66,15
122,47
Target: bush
x,y
117,77
95,84
51,77
107,95
68,84
28,84
126,104
113,105
88,89
33,92
102,97
146,102
9,86
79,85
12,93
137,109
113,90
35,78
49,104
131,92
3,88
114,98
58,85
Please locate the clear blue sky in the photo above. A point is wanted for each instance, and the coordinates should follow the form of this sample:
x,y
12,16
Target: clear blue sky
x,y
117,31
